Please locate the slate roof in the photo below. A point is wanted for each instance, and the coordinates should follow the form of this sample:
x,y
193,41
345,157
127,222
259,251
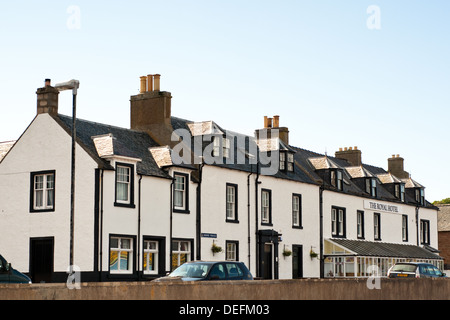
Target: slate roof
x,y
5,147
383,249
444,217
126,142
308,165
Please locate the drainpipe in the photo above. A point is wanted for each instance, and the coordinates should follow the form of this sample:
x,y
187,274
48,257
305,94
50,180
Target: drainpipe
x,y
101,226
322,266
199,205
256,218
139,228
417,226
171,223
248,218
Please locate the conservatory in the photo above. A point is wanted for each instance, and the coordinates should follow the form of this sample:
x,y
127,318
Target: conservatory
x,y
358,259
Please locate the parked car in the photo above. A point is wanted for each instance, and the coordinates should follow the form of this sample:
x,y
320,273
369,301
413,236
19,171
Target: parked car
x,y
209,270
10,275
414,270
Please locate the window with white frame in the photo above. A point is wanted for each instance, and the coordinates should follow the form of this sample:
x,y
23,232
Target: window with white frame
x,y
180,192
231,253
286,161
424,231
404,227
296,210
377,226
151,257
371,186
399,191
360,224
266,206
420,196
338,222
181,252
231,202
336,179
282,160
43,191
221,143
121,255
124,185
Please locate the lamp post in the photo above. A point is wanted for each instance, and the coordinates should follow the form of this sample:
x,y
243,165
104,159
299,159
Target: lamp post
x,y
72,85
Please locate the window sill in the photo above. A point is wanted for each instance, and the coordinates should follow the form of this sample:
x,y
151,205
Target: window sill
x,y
181,211
232,221
124,205
297,227
42,210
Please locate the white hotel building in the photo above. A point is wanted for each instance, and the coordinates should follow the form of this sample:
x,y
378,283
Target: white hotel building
x,y
145,204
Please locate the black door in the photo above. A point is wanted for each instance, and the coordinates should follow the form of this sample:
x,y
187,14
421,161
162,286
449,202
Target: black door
x,y
267,260
41,259
297,261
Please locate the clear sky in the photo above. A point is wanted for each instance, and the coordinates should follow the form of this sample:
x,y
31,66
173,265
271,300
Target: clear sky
x,y
372,74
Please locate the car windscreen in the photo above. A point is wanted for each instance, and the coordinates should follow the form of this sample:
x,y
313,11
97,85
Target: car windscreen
x,y
191,270
404,267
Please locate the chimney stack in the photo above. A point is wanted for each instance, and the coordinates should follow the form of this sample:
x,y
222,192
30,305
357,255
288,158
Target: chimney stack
x,y
395,167
151,110
351,154
47,99
273,129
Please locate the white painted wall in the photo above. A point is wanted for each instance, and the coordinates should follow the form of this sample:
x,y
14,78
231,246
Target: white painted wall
x,y
391,223
214,218
46,146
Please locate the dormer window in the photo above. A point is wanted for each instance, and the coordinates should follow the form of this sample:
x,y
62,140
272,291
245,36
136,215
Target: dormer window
x,y
286,161
371,186
399,191
420,196
336,179
221,143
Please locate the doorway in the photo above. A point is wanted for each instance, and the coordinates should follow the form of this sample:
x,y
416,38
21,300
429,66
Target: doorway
x,y
41,259
267,261
297,261
268,254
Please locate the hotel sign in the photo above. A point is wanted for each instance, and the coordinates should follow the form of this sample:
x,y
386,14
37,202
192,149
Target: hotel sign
x,y
380,206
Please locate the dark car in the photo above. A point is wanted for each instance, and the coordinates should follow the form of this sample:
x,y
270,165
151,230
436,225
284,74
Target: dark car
x,y
209,270
10,275
414,270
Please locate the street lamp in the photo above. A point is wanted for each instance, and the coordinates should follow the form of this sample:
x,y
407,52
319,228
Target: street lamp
x,y
72,85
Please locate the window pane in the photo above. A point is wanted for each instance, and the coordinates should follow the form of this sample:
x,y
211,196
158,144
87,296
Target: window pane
x,y
38,197
114,243
113,260
50,198
125,244
124,260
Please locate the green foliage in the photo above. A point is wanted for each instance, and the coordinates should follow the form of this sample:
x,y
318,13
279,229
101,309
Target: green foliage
x,y
443,201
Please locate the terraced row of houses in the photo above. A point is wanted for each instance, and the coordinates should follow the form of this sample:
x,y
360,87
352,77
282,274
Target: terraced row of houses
x,y
169,190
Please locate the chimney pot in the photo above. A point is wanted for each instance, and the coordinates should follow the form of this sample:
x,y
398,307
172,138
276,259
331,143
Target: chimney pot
x,y
157,82
265,121
149,82
269,122
143,84
48,82
276,121
340,149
